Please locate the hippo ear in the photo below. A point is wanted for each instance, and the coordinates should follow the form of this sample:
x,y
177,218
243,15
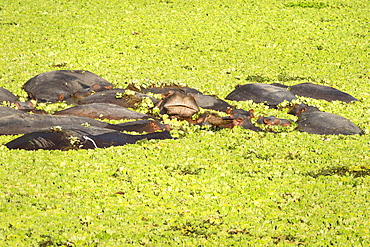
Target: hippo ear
x,y
96,87
169,93
229,110
17,105
153,124
238,121
158,105
61,97
251,111
302,110
108,87
266,121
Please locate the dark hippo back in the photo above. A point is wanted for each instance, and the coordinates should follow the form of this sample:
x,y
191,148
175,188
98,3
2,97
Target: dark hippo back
x,y
321,92
315,91
6,95
211,102
103,111
324,123
261,93
60,85
79,137
165,90
117,97
314,121
18,122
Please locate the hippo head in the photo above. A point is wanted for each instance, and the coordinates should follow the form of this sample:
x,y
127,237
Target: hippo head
x,y
301,108
272,120
233,112
178,104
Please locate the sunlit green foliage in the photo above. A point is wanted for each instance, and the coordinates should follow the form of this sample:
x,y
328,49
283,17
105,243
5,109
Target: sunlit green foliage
x,y
209,187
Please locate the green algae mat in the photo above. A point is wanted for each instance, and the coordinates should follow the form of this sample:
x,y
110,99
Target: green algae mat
x,y
208,187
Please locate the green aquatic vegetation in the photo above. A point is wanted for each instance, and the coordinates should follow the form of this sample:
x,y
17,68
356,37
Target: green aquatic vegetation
x,y
211,186
51,108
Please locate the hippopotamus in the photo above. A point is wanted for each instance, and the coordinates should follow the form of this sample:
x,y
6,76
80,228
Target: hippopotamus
x,y
14,122
202,100
7,96
314,91
178,105
144,125
60,85
233,112
78,137
166,89
261,93
7,111
245,122
314,121
215,120
103,111
211,102
118,97
272,120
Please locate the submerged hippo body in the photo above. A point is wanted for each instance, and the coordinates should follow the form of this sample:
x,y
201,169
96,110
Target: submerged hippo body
x,y
245,122
261,93
14,122
314,91
59,85
7,111
211,102
314,121
103,111
234,112
117,97
274,121
165,90
217,121
6,95
145,125
78,137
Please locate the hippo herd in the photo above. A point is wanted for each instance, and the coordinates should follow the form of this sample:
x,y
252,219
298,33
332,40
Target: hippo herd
x,y
91,98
